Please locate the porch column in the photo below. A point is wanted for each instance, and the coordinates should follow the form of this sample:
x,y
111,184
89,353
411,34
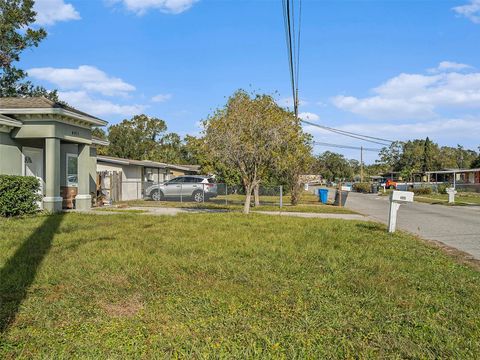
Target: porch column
x,y
83,201
52,201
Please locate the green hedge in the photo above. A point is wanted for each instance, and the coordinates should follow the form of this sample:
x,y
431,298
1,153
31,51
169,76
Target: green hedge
x,y
422,191
364,187
18,195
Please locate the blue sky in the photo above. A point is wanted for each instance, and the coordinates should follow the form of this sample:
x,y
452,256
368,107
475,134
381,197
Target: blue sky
x,y
394,69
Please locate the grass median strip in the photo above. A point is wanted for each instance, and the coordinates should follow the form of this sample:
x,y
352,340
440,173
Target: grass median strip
x,y
229,285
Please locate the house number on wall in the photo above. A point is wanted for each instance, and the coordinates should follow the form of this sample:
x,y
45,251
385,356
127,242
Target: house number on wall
x,y
75,133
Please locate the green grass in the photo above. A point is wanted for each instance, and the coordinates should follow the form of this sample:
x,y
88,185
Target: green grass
x,y
461,199
228,285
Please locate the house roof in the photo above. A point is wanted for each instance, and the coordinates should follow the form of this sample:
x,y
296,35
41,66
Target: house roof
x,y
99,141
8,121
146,163
42,105
451,171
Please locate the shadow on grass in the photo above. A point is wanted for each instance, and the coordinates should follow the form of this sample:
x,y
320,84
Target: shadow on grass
x,y
19,272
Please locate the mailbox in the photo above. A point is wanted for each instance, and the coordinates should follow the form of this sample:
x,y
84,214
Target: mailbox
x,y
451,195
401,196
396,199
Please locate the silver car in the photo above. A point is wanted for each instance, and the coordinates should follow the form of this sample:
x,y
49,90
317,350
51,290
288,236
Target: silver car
x,y
195,187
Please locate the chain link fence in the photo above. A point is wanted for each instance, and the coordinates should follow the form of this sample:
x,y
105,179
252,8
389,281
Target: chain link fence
x,y
194,192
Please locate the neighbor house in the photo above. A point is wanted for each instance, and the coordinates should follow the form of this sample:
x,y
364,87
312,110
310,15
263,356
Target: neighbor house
x,y
53,142
459,178
126,179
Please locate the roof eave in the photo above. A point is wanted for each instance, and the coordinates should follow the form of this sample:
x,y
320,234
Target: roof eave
x,y
55,111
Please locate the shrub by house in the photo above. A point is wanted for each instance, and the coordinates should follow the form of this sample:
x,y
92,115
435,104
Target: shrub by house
x,y
18,195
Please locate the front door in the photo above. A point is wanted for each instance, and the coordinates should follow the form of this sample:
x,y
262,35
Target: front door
x,y
33,166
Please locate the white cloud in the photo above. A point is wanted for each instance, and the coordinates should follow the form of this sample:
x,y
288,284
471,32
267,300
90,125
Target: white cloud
x,y
471,11
95,106
308,116
450,65
416,96
161,97
51,11
84,77
140,7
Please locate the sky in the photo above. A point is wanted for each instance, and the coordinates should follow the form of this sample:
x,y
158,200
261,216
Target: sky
x,y
397,70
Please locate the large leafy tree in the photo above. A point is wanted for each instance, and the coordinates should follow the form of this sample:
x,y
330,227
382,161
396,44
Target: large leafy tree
x,y
137,138
17,35
144,138
419,155
250,134
333,166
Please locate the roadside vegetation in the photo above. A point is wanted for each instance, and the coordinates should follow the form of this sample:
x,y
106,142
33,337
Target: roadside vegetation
x,y
226,285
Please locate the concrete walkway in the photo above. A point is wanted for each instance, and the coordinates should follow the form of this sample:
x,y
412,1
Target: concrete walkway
x,y
455,226
147,210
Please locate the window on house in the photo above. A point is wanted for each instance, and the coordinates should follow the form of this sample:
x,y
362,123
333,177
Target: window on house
x,y
72,170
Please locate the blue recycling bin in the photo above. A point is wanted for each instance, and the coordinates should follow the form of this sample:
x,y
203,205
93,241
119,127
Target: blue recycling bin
x,y
323,195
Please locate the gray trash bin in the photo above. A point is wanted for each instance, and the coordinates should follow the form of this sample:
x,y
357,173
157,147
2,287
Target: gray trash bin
x,y
337,197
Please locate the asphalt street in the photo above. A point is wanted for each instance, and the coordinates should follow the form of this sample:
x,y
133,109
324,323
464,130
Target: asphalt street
x,y
455,226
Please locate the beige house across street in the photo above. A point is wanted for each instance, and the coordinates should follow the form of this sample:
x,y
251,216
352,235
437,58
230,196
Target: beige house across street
x,y
53,142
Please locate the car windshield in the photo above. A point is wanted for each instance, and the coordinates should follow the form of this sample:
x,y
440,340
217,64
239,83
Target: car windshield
x,y
211,180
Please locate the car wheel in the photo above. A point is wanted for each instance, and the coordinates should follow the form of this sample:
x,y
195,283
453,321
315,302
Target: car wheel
x,y
156,195
198,196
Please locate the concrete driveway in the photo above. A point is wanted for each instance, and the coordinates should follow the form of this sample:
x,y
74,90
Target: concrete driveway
x,y
455,226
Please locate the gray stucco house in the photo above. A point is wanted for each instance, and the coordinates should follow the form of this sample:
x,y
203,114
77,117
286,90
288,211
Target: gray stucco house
x,y
53,142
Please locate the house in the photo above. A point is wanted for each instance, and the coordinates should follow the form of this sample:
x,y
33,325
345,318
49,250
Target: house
x,y
468,179
52,141
126,179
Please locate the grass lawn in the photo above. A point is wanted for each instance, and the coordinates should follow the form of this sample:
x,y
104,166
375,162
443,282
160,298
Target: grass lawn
x,y
228,285
460,199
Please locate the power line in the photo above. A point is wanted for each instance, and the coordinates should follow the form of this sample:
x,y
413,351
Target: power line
x,y
345,146
293,46
372,139
293,53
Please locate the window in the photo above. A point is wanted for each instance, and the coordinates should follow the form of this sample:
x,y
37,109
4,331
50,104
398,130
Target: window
x,y
72,170
176,180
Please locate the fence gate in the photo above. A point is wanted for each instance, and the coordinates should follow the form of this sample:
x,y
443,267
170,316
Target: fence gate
x,y
116,186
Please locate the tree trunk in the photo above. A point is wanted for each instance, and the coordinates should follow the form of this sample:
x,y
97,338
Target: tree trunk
x,y
256,195
294,194
248,198
295,191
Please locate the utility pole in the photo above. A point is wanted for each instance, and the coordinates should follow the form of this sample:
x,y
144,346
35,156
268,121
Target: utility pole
x,y
295,106
361,163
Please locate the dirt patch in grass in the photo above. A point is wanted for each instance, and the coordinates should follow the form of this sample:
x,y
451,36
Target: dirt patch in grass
x,y
127,308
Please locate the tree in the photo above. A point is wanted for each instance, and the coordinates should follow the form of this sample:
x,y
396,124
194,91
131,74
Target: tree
x,y
249,134
296,159
195,152
137,138
427,163
333,166
100,134
390,156
17,35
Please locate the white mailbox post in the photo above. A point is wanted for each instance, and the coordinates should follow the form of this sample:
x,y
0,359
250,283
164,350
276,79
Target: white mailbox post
x,y
396,199
451,195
